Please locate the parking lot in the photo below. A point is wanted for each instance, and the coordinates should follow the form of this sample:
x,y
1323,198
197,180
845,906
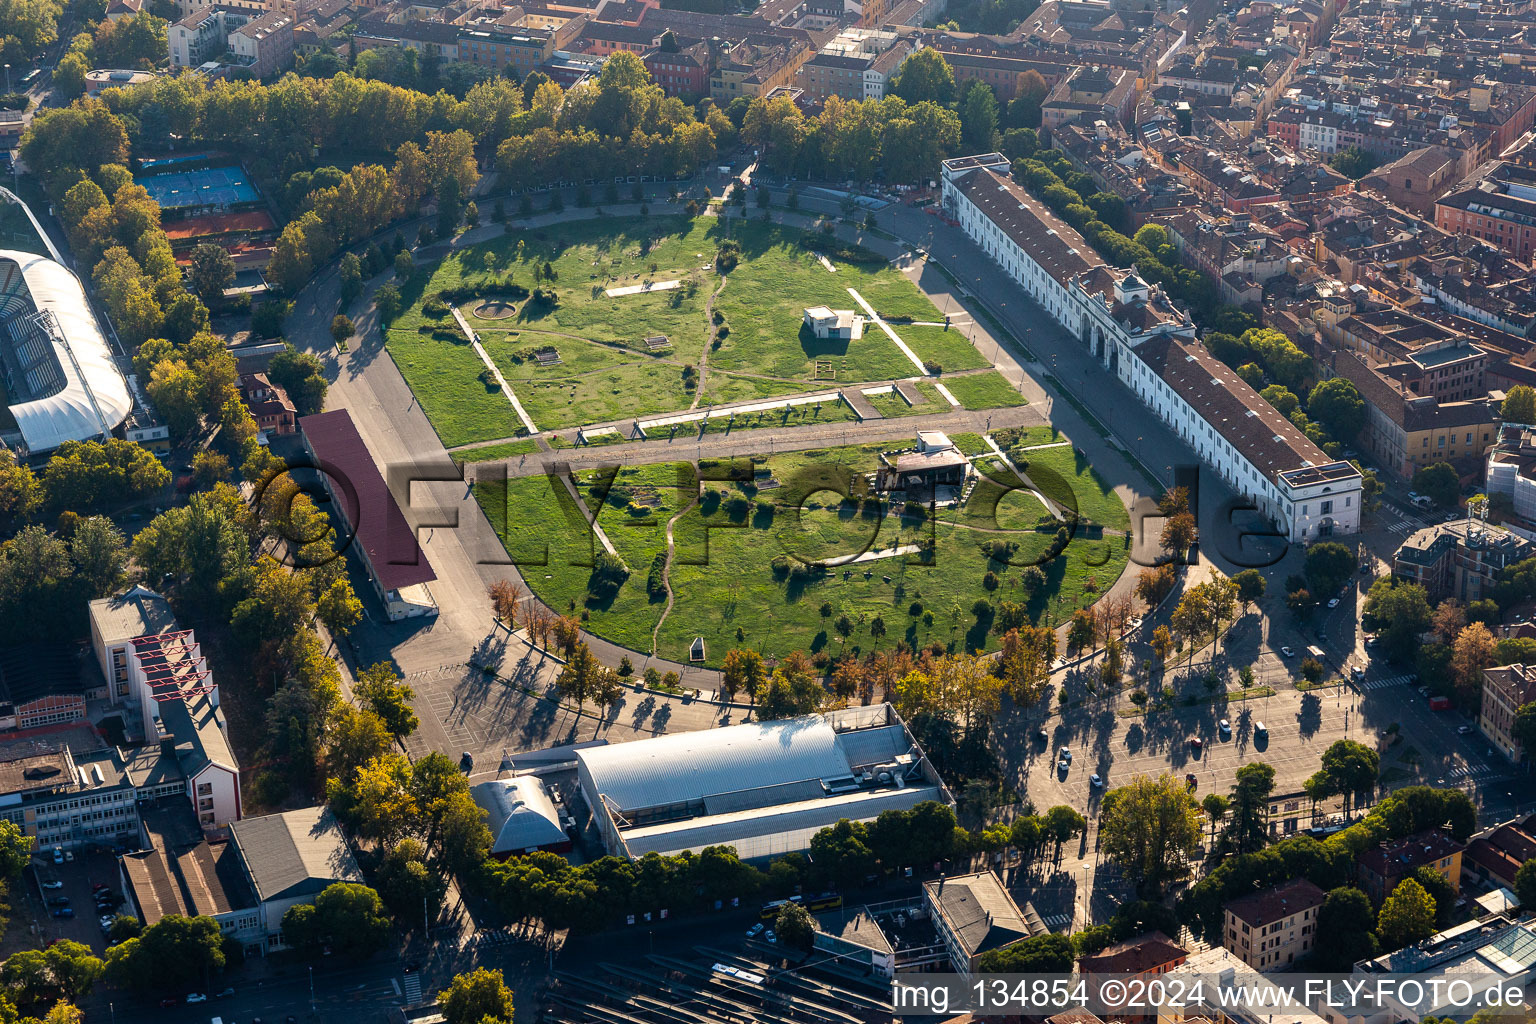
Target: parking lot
x,y
75,879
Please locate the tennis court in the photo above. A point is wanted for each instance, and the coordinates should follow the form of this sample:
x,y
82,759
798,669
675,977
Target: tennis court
x,y
220,187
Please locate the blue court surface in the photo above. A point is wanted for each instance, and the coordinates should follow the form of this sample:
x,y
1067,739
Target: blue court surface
x,y
220,187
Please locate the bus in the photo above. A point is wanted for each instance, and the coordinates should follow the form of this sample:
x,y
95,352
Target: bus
x,y
771,909
30,77
825,901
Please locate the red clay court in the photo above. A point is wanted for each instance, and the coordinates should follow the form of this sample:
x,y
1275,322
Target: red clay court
x,y
220,223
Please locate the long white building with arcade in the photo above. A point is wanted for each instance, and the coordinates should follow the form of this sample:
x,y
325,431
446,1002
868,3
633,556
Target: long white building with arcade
x,y
1148,344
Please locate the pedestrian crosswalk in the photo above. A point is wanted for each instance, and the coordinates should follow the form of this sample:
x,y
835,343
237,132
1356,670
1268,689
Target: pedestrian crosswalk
x,y
1381,684
1056,922
412,988
1462,772
1406,526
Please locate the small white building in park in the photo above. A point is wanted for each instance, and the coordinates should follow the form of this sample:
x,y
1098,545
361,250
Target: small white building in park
x,y
843,324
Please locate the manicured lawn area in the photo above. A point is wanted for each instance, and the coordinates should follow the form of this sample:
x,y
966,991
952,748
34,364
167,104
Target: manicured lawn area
x,y
970,444
618,394
1026,437
1068,478
766,297
444,376
727,587
605,372
950,349
989,390
497,452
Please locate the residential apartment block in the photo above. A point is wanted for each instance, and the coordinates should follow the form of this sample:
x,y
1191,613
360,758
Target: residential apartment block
x,y
1380,869
1505,690
1271,930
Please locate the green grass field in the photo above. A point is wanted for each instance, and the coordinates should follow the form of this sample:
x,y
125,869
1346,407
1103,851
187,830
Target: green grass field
x,y
811,507
989,390
605,372
1066,477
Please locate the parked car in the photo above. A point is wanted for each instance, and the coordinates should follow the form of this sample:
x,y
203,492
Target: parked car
x,y
1463,730
1226,727
1190,782
1333,602
59,901
755,930
1196,743
58,855
1259,730
1095,780
227,992
170,1001
1286,652
770,936
55,884
64,912
69,856
196,997
1066,754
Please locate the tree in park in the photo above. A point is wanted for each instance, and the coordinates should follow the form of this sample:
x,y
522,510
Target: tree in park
x,y
174,953
1472,652
1336,402
342,328
743,671
794,927
1353,162
1051,953
925,76
1347,768
480,996
65,969
1061,823
211,271
1248,821
1082,630
348,917
15,850
1250,586
380,688
1407,915
1329,565
1150,827
1179,532
1525,883
1398,612
387,301
1215,807
978,117
406,885
1440,890
505,597
1440,482
1346,930
1519,405
1156,583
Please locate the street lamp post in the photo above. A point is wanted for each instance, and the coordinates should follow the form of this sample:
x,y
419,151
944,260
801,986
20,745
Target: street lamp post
x,y
312,1009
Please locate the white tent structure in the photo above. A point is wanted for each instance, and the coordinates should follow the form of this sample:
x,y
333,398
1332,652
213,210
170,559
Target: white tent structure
x,y
64,383
521,816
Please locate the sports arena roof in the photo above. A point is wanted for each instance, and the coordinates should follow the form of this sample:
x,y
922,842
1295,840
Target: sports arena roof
x,y
94,398
763,787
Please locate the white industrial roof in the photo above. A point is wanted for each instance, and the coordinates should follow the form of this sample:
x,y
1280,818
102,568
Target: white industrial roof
x,y
770,831
690,766
48,422
520,813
